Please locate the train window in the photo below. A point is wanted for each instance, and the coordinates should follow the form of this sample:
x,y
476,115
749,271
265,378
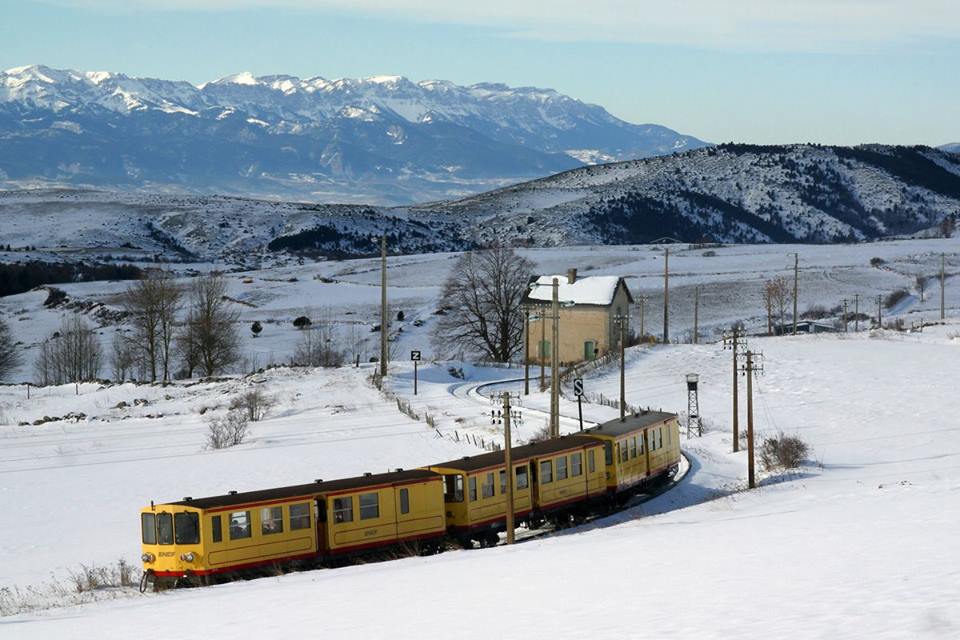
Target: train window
x,y
473,488
299,516
271,520
608,453
659,437
623,450
148,525
576,464
453,488
216,528
503,482
240,525
561,467
651,441
591,461
633,447
404,501
186,525
522,480
669,435
164,528
343,509
640,446
488,487
369,506
546,472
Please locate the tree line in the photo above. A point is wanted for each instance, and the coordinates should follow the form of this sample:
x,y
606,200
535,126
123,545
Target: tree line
x,y
24,276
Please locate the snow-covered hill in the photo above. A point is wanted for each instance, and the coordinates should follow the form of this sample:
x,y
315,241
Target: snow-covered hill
x,y
730,193
383,139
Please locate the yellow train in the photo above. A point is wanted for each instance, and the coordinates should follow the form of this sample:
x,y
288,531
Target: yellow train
x,y
562,480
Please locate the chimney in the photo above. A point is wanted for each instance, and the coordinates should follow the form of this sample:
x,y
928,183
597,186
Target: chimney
x,y
571,276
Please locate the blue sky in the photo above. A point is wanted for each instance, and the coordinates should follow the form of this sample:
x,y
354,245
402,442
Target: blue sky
x,y
830,71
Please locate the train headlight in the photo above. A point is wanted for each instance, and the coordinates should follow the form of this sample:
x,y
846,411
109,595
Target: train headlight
x,y
187,557
148,557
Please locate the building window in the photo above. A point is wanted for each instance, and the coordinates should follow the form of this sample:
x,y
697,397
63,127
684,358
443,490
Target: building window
x,y
591,461
186,525
544,349
546,472
148,526
216,528
561,468
576,464
271,520
164,528
239,525
473,488
299,516
404,501
369,506
633,447
342,510
522,480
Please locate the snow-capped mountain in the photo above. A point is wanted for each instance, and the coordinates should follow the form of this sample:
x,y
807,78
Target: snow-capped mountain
x,y
953,147
729,193
381,139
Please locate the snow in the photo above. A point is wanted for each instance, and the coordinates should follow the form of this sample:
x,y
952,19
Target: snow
x,y
585,290
857,543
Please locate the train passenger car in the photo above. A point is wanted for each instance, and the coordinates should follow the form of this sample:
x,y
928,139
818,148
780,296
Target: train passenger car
x,y
640,450
549,477
192,541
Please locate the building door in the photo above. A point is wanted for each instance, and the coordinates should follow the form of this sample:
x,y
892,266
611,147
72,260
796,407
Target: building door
x,y
544,349
589,350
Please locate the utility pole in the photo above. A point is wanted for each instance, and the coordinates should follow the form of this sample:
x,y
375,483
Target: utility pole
x,y
696,314
555,364
641,300
845,317
856,312
733,340
879,316
543,343
621,321
666,295
796,283
383,306
508,462
526,350
750,368
943,278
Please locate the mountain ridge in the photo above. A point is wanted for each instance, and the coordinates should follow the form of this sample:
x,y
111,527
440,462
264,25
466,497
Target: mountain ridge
x,y
382,139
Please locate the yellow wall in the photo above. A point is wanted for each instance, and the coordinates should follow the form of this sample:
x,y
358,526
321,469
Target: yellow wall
x,y
578,325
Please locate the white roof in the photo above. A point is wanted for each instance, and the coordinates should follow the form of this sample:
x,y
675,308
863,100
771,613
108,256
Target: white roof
x,y
586,290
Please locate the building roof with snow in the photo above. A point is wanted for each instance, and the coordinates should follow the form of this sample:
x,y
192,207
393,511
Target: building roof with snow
x,y
589,290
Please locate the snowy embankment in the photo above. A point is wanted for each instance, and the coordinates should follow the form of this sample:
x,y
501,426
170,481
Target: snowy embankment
x,y
856,544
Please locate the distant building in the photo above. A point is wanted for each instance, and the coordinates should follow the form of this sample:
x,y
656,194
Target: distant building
x,y
804,326
586,322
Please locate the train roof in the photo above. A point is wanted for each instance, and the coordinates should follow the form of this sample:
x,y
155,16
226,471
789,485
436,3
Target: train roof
x,y
524,452
312,488
632,423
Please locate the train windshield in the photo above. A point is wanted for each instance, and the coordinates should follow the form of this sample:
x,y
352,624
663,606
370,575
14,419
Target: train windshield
x,y
187,527
148,523
453,488
164,528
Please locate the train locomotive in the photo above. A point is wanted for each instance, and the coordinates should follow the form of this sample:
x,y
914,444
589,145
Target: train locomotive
x,y
325,523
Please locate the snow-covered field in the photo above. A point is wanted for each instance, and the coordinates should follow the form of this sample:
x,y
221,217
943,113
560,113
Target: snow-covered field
x,y
858,543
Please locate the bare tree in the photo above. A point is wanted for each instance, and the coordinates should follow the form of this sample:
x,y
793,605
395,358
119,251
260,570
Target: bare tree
x,y
948,226
776,295
922,282
123,357
209,339
317,346
153,303
71,354
10,358
483,294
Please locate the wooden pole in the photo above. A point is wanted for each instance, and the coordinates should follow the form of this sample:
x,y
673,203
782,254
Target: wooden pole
x,y
943,278
543,340
750,470
856,312
796,282
555,364
508,462
415,363
383,306
696,314
643,299
879,316
736,386
666,295
846,318
526,351
623,387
